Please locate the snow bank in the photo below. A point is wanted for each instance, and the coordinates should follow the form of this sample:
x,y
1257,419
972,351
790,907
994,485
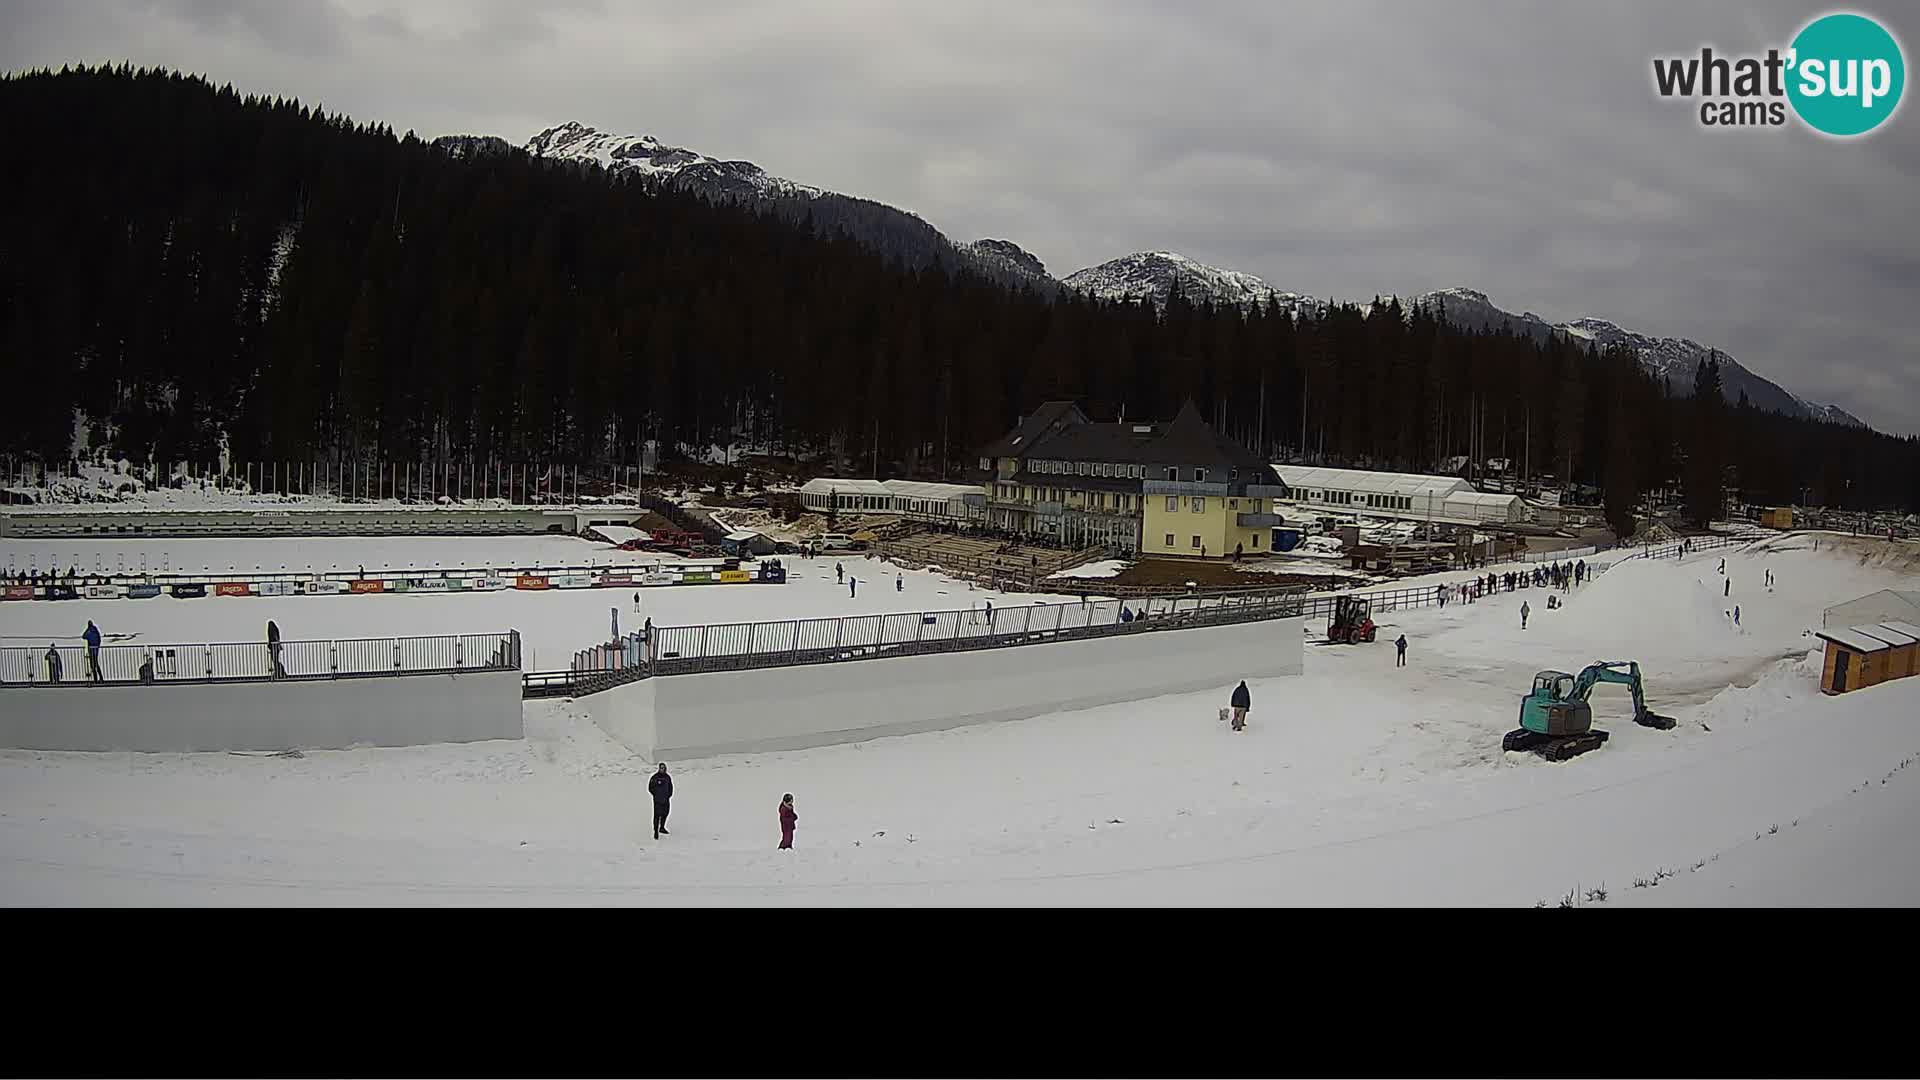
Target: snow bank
x,y
1104,568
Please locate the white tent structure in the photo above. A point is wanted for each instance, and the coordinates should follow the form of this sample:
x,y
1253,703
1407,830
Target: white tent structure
x,y
945,502
1408,496
1887,605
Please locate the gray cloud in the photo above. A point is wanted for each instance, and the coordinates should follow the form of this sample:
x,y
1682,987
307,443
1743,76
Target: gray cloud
x,y
1337,149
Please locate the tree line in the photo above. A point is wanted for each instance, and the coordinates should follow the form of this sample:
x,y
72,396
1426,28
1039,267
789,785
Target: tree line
x,y
181,264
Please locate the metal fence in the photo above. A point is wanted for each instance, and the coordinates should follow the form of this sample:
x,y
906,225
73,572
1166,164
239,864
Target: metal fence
x,y
682,650
257,661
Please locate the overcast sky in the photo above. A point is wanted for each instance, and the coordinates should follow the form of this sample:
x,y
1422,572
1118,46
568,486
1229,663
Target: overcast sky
x,y
1340,149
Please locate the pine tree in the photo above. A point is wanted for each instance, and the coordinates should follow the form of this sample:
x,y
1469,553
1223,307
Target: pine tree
x,y
1705,487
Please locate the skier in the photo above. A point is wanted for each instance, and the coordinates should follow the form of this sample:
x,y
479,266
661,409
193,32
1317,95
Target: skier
x,y
1524,612
1727,588
1400,646
273,648
1736,614
839,572
53,663
92,637
1241,702
853,587
787,820
1723,565
660,786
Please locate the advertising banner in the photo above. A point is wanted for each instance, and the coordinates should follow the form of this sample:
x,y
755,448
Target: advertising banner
x,y
734,577
659,578
695,577
188,592
366,586
325,587
487,584
276,588
232,588
438,584
142,592
573,581
529,581
103,592
19,592
615,581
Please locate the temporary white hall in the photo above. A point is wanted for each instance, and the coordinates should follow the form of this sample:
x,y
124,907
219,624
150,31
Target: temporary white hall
x,y
1409,496
949,501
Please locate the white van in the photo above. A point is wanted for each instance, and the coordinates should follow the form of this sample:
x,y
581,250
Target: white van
x,y
837,542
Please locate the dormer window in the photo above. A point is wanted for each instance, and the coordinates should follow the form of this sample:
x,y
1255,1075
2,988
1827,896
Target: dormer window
x,y
1199,476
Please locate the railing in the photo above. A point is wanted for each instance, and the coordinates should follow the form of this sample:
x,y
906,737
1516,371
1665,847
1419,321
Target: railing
x,y
686,650
258,661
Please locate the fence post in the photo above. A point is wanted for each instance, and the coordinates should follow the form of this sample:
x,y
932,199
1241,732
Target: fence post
x,y
396,654
333,657
753,635
209,652
838,626
1024,630
459,652
703,642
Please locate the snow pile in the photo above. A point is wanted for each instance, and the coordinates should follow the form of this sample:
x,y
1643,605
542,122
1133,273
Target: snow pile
x,y
1104,568
1646,604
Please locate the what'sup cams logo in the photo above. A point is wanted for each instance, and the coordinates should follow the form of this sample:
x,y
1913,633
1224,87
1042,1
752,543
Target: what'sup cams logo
x,y
1842,75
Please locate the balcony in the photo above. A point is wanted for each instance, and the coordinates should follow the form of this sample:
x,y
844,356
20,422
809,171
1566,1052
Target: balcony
x,y
1260,521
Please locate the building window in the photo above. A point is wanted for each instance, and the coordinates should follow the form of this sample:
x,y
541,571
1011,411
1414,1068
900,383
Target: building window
x,y
1173,473
986,464
1196,542
1173,504
1199,476
1083,468
1199,504
1256,539
1233,504
1169,539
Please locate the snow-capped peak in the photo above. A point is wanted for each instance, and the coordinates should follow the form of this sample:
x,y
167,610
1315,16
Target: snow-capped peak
x,y
1153,275
645,155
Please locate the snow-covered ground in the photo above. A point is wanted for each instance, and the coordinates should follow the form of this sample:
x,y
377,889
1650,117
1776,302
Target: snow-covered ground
x,y
1356,783
1103,568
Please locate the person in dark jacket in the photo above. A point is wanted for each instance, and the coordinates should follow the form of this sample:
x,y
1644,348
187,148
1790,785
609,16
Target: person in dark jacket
x,y
92,637
839,572
1241,702
273,648
1400,647
660,786
787,820
53,663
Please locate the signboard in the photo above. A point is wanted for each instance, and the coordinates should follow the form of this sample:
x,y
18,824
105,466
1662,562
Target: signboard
x,y
366,586
734,577
658,578
615,581
19,592
487,584
529,581
276,588
103,592
695,577
62,592
188,592
324,587
438,584
573,581
142,592
232,588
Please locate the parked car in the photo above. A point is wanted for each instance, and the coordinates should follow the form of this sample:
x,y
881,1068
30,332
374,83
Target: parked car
x,y
838,542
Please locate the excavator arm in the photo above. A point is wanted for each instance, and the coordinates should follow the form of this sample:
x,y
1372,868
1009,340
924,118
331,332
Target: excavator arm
x,y
1623,672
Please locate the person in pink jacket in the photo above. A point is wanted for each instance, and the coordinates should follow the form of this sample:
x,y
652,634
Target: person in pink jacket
x,y
787,818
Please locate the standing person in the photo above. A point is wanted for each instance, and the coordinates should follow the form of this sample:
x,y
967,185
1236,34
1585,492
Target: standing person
x,y
1524,612
1241,702
636,603
898,586
989,616
273,648
839,572
1723,564
1400,645
1726,588
660,786
1736,614
646,635
787,819
53,663
92,637
853,587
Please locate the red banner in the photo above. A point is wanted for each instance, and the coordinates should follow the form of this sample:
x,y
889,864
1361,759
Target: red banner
x,y
232,588
19,592
366,586
527,581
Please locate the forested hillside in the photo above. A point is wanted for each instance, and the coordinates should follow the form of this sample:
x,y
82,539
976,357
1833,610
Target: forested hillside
x,y
179,262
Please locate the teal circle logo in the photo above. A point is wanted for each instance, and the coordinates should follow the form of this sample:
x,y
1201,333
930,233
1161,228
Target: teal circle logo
x,y
1846,74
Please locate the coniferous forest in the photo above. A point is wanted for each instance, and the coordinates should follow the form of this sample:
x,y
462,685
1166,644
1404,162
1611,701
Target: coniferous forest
x,y
179,263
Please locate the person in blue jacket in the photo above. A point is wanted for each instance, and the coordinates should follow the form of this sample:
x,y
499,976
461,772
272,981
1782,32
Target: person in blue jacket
x,y
93,651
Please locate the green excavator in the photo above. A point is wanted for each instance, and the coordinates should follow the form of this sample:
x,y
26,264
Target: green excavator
x,y
1557,723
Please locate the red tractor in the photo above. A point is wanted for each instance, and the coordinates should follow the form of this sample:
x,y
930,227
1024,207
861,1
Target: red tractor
x,y
1352,621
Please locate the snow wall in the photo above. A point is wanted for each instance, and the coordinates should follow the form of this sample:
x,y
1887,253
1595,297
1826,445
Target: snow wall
x,y
307,714
788,708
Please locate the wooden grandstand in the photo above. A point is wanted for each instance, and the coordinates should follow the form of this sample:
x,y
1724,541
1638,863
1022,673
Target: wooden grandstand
x,y
987,560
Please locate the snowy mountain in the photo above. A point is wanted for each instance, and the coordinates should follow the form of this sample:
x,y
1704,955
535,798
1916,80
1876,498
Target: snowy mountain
x,y
1010,256
472,146
647,156
1154,274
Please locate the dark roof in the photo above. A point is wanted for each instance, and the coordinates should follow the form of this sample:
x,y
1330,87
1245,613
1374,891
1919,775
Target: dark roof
x,y
1059,430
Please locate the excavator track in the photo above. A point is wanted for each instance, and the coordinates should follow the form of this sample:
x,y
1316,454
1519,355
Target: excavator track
x,y
1553,747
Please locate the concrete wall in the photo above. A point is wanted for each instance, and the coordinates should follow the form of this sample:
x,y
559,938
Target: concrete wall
x,y
685,716
299,714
